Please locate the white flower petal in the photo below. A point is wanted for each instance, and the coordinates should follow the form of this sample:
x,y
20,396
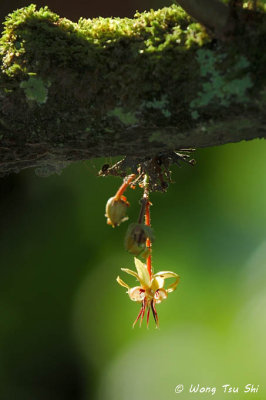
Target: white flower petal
x,y
136,293
160,295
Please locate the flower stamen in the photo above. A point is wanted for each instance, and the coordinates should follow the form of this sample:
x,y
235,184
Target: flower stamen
x,y
140,314
154,312
144,305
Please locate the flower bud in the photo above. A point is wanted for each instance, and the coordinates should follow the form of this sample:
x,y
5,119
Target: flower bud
x,y
135,240
116,210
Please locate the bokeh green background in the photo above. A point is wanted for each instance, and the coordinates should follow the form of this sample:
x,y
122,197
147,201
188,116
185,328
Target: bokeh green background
x,y
65,324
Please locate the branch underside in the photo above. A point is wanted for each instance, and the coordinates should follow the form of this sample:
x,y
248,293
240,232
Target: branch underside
x,y
135,87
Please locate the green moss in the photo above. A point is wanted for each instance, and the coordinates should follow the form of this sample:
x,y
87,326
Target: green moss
x,y
127,118
158,31
165,138
194,114
156,136
161,105
106,74
35,89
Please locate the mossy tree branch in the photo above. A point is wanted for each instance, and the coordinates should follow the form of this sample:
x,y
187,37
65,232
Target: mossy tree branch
x,y
107,87
213,14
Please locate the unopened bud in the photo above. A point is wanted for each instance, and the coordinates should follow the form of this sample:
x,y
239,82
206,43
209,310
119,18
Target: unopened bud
x,y
135,240
116,210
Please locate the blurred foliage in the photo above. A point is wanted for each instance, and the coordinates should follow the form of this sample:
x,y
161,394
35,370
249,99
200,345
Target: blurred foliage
x,y
66,326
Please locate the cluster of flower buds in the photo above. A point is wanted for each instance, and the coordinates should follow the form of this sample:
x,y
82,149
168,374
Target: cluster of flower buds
x,y
138,241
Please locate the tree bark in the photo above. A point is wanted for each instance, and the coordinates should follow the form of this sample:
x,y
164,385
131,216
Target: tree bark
x,y
213,14
137,87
